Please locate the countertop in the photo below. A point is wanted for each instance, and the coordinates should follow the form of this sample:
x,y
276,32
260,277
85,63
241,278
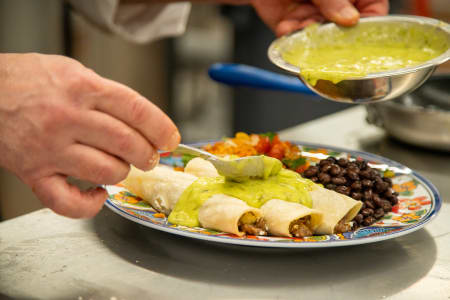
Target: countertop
x,y
46,256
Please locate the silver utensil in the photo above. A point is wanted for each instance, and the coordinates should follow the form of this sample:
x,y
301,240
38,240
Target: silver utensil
x,y
236,169
419,118
373,87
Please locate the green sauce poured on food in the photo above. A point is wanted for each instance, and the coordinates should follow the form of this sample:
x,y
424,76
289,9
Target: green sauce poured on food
x,y
367,48
285,185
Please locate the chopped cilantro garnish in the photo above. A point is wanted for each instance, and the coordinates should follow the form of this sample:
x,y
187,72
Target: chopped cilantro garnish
x,y
294,163
269,134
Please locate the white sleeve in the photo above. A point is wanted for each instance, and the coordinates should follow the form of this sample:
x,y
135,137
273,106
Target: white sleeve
x,y
141,22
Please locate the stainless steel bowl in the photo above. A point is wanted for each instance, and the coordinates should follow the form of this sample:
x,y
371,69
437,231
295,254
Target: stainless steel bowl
x,y
421,118
373,87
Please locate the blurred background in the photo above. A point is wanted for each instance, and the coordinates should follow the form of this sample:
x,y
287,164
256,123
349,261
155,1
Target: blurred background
x,y
172,72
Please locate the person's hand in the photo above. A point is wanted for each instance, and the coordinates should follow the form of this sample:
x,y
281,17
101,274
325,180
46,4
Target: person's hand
x,y
60,119
285,16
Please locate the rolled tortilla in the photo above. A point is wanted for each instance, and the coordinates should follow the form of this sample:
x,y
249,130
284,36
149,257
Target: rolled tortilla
x,y
335,207
201,168
283,218
161,187
228,214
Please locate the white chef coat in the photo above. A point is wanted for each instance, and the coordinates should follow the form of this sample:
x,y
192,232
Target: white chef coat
x,y
140,22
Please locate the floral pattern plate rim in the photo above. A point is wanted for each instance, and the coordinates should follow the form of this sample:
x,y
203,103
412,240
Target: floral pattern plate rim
x,y
419,203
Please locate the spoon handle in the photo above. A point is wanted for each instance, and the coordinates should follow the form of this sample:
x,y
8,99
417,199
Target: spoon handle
x,y
243,75
185,149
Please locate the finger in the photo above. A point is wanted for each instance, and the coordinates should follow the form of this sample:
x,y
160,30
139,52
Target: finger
x,y
341,12
87,163
369,8
110,135
288,26
139,113
67,200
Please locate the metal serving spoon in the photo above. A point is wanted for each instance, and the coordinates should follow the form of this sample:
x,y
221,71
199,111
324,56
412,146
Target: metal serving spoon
x,y
235,169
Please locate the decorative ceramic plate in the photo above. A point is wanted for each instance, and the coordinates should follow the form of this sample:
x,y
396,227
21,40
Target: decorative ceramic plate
x,y
419,202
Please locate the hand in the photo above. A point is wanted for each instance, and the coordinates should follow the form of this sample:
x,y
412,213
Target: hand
x,y
60,119
285,16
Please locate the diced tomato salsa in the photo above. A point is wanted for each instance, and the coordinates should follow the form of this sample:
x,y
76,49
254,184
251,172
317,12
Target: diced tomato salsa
x,y
243,144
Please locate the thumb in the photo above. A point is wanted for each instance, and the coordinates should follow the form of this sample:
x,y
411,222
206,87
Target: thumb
x,y
341,12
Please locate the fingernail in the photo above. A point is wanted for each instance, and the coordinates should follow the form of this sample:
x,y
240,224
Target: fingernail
x,y
174,140
154,161
349,13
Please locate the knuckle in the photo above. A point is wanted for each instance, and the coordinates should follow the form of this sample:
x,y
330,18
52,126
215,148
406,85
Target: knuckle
x,y
124,140
109,173
139,111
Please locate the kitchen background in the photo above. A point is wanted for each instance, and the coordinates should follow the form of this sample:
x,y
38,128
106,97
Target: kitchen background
x,y
172,72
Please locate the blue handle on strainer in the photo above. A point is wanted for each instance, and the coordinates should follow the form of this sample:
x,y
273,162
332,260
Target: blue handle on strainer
x,y
247,76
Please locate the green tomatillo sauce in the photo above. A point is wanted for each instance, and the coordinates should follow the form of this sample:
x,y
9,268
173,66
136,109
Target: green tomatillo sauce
x,y
367,48
285,185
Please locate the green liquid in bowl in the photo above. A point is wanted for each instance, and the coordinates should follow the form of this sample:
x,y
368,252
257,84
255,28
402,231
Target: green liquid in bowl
x,y
344,53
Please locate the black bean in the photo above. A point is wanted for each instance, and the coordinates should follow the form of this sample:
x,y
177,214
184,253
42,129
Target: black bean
x,y
335,170
368,195
352,175
389,193
342,189
394,200
366,183
314,179
369,204
339,180
356,185
353,168
332,159
343,172
324,178
379,212
388,180
377,200
356,195
365,174
343,162
374,174
378,180
311,171
362,164
325,168
324,162
381,186
367,212
368,221
359,218
363,206
387,207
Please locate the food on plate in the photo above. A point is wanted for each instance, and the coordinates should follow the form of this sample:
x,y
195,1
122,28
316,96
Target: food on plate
x,y
280,204
338,211
368,48
160,187
286,185
290,219
229,214
201,168
269,144
359,181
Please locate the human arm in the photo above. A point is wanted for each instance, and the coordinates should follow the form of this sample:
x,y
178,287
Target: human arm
x,y
60,119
